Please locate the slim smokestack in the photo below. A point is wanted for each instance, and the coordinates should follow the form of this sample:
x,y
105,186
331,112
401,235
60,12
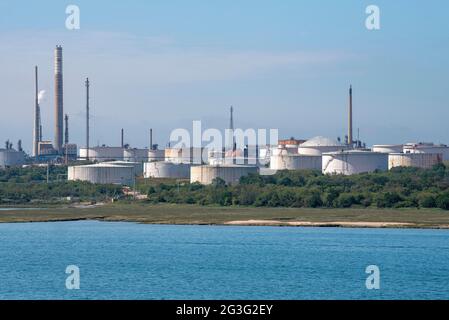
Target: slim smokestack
x,y
350,140
66,130
36,134
151,139
87,119
59,104
122,139
231,127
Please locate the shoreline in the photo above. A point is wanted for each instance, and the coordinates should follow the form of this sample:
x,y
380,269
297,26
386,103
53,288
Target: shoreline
x,y
170,214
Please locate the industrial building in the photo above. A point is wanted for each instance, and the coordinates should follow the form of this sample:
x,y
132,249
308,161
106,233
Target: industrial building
x,y
423,147
318,145
103,173
295,162
10,157
417,160
231,174
354,162
164,169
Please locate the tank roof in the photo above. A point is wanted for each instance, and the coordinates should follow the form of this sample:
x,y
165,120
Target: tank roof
x,y
353,152
320,141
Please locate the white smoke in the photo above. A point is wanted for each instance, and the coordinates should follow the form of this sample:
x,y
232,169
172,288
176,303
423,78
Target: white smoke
x,y
41,96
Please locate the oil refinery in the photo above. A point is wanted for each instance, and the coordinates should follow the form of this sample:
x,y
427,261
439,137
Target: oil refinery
x,y
122,164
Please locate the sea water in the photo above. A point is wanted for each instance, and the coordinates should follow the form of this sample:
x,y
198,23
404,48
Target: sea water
x,y
138,261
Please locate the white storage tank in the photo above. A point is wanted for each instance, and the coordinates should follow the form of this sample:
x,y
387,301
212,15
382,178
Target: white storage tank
x,y
388,148
418,160
231,174
11,157
163,169
156,155
135,155
295,162
186,155
319,145
138,166
427,148
354,162
102,173
103,153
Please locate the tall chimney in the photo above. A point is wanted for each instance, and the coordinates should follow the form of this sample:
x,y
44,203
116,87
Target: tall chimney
x,y
59,104
66,130
87,119
36,134
350,140
122,139
151,139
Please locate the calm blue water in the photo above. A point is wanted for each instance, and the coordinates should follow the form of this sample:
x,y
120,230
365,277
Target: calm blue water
x,y
133,261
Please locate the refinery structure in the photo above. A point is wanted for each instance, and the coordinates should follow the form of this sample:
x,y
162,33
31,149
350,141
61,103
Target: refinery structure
x,y
122,164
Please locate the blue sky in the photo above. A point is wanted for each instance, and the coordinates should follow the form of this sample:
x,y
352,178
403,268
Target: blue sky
x,y
282,64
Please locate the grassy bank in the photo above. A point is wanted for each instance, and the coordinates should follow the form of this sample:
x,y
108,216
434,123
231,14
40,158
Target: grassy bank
x,y
209,215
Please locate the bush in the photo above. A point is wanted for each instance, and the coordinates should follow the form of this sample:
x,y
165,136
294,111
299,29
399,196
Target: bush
x,y
345,200
442,201
427,200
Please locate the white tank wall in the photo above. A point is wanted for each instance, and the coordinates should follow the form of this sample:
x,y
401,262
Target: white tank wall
x,y
230,174
295,162
349,163
135,155
103,174
102,154
418,160
388,148
156,155
428,149
11,158
162,169
318,150
138,166
186,155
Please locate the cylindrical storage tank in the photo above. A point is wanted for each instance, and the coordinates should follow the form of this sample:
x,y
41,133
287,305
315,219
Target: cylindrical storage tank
x,y
295,162
418,160
102,174
156,155
135,155
388,148
427,148
354,162
230,174
138,166
162,169
11,157
186,155
102,154
319,145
